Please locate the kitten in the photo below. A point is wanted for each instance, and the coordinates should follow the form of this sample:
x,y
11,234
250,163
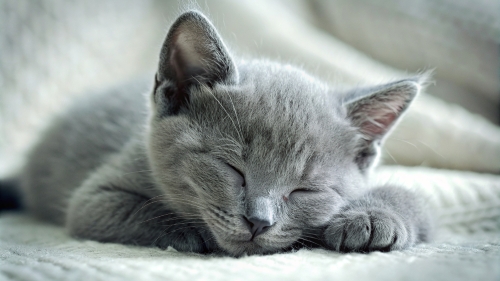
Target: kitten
x,y
229,156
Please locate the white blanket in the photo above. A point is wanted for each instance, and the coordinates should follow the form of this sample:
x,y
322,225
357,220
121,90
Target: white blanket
x,y
466,247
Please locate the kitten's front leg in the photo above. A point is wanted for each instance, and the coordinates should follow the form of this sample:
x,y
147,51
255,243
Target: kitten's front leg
x,y
384,219
108,213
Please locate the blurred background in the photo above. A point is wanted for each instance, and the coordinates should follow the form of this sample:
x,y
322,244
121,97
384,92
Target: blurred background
x,y
53,50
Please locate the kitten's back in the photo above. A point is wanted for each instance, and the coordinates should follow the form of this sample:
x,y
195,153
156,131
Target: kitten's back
x,y
76,143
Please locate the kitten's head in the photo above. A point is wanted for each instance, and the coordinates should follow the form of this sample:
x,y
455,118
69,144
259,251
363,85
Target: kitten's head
x,y
259,153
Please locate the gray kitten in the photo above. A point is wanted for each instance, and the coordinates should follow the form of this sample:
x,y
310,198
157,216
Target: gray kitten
x,y
229,156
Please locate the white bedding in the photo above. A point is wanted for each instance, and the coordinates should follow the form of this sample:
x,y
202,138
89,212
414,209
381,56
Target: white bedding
x,y
466,247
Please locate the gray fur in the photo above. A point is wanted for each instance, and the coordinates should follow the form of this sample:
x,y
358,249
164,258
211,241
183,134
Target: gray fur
x,y
222,142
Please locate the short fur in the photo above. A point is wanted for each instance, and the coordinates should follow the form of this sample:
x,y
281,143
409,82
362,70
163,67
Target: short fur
x,y
229,155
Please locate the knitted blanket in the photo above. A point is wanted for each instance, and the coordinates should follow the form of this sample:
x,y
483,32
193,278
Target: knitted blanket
x,y
466,247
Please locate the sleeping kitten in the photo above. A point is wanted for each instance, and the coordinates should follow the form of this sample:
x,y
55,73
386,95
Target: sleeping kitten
x,y
229,156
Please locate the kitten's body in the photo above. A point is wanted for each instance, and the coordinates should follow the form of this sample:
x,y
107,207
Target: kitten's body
x,y
78,141
243,157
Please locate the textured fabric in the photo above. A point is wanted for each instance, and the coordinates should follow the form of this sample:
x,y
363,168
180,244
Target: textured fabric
x,y
52,51
467,246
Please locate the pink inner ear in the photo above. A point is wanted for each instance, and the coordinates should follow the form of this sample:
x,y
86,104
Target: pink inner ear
x,y
378,126
174,60
375,114
378,118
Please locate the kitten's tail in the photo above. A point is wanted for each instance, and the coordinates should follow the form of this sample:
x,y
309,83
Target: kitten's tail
x,y
10,198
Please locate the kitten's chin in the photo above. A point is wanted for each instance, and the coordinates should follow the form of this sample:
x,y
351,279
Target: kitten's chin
x,y
259,246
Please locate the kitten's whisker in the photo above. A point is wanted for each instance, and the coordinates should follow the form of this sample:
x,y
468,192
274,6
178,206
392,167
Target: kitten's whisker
x,y
390,155
309,241
184,201
433,150
174,222
181,218
223,108
303,245
182,196
235,113
152,198
310,237
134,172
185,223
145,205
407,142
173,214
189,203
210,239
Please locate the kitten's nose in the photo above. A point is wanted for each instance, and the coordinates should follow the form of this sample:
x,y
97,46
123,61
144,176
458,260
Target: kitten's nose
x,y
259,215
257,226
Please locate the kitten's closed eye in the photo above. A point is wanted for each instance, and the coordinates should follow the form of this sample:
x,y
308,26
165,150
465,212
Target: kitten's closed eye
x,y
240,177
303,193
300,191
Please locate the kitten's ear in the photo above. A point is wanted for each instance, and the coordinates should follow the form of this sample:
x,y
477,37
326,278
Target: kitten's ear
x,y
375,111
193,54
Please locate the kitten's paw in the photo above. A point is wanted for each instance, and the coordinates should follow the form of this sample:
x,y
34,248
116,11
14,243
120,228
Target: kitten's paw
x,y
366,231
